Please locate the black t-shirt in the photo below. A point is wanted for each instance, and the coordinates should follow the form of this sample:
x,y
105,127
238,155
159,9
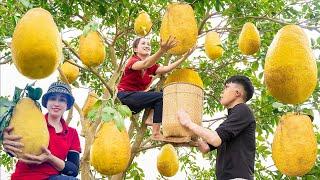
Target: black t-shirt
x,y
235,155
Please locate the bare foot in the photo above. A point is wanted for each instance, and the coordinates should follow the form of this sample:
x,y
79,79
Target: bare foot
x,y
148,122
156,131
157,136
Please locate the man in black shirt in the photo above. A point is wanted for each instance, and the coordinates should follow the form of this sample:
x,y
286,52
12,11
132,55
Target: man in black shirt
x,y
234,139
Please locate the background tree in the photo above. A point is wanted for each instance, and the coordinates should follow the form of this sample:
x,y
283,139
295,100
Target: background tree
x,y
114,20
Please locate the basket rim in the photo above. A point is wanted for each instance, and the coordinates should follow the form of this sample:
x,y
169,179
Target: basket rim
x,y
181,83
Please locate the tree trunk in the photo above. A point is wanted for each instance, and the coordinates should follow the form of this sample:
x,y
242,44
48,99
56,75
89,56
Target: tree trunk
x,y
89,134
85,165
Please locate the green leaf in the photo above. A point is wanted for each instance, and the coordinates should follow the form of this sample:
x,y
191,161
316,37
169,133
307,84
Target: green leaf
x,y
109,110
26,3
107,116
34,93
92,114
255,66
124,111
309,113
119,121
86,30
5,118
5,102
97,105
260,138
277,105
37,94
313,42
217,5
92,26
76,84
17,94
318,40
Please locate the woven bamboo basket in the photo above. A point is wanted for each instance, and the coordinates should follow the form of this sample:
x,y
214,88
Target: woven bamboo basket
x,y
182,95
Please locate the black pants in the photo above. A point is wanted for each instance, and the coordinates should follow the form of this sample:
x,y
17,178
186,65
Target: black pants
x,y
62,177
139,100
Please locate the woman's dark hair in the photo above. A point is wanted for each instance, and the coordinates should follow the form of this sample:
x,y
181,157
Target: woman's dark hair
x,y
244,82
135,44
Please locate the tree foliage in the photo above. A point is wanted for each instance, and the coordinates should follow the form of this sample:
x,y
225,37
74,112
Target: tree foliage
x,y
115,19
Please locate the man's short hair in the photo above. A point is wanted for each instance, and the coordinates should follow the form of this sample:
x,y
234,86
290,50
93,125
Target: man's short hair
x,y
245,82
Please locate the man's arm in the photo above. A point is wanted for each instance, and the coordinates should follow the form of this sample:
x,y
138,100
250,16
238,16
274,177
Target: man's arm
x,y
204,147
209,136
236,122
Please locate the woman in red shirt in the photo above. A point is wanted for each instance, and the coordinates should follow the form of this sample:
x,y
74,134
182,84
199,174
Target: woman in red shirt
x,y
137,78
63,143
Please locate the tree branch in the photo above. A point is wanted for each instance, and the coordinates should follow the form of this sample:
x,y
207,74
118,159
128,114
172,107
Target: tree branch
x,y
203,22
280,22
76,106
225,64
83,121
139,138
150,147
216,119
264,168
70,113
113,58
134,125
192,144
120,34
102,80
71,49
5,61
82,18
90,68
146,141
214,97
69,117
75,64
123,59
111,50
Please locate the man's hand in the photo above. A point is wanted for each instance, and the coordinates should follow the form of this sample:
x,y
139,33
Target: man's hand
x,y
184,118
170,43
11,143
33,159
203,146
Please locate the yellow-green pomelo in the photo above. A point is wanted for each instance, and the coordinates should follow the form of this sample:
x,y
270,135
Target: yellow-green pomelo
x,y
36,44
290,69
91,49
179,21
212,45
249,40
70,71
110,151
142,24
294,147
168,161
29,123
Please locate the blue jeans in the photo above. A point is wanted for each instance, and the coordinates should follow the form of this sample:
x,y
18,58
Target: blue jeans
x,y
139,100
62,177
